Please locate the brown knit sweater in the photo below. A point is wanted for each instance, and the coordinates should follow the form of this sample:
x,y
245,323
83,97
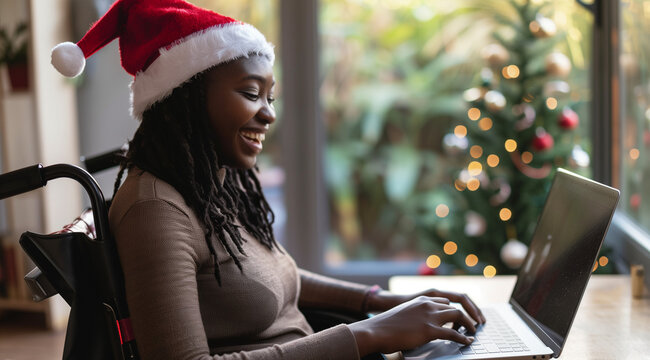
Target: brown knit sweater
x,y
179,311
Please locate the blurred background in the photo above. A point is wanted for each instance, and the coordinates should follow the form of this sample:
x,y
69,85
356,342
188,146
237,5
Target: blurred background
x,y
413,137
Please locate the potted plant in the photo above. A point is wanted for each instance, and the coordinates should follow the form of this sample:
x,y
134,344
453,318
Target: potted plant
x,y
13,53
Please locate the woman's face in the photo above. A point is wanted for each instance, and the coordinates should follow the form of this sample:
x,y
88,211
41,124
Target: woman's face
x,y
239,100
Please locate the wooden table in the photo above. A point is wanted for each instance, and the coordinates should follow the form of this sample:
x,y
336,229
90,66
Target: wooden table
x,y
610,323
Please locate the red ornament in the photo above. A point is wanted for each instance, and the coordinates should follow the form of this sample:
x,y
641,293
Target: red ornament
x,y
568,119
423,269
542,141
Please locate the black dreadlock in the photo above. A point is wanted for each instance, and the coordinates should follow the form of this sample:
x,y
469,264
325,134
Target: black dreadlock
x,y
176,144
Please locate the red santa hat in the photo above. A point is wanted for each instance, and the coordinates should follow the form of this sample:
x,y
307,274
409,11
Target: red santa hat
x,y
163,43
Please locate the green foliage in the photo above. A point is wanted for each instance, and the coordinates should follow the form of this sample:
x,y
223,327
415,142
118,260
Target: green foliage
x,y
386,96
13,44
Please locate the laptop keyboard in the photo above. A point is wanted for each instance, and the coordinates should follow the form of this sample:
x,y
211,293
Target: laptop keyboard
x,y
493,337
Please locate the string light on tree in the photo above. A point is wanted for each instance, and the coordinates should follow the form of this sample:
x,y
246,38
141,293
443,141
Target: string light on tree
x,y
510,145
485,124
471,260
442,210
450,248
489,271
493,160
505,214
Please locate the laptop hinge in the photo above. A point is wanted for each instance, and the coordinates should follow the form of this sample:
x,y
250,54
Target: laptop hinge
x,y
537,329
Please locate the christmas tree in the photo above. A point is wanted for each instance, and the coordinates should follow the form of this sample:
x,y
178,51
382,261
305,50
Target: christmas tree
x,y
520,127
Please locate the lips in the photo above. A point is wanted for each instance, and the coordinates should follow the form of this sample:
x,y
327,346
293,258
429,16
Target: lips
x,y
253,139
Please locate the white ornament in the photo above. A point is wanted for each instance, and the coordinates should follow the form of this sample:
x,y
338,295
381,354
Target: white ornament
x,y
558,64
454,145
475,224
495,101
579,157
513,253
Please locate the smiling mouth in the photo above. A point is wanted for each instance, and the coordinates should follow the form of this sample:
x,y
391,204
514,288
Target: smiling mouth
x,y
254,138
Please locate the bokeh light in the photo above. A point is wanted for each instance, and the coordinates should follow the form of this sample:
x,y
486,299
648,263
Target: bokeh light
x,y
474,168
433,261
442,210
459,185
603,261
527,157
474,114
634,153
485,124
476,151
450,248
505,214
492,160
473,184
471,260
460,131
489,271
510,72
510,145
551,103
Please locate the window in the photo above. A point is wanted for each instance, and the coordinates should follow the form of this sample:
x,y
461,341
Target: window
x,y
396,77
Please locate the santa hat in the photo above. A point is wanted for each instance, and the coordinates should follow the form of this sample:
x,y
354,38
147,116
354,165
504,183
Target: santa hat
x,y
163,43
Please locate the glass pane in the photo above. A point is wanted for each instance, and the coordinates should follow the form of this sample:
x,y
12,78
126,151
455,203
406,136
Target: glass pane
x,y
263,15
635,104
419,98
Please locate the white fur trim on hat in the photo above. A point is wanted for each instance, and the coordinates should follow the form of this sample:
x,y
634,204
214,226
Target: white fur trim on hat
x,y
68,59
192,55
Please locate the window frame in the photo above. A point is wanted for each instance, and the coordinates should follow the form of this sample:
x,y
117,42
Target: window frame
x,y
631,243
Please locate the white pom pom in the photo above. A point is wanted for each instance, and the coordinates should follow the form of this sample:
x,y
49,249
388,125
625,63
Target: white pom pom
x,y
68,59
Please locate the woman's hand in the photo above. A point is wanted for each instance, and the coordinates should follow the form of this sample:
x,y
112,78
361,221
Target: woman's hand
x,y
411,324
385,300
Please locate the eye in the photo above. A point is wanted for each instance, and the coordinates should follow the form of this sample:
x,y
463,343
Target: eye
x,y
270,99
253,96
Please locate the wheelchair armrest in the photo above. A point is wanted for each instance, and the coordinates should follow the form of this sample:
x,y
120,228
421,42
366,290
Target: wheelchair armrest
x,y
40,287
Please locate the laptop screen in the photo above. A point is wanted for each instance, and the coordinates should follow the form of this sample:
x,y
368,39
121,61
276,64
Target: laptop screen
x,y
563,251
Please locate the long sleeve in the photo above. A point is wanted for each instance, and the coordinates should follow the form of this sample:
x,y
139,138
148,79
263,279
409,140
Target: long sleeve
x,y
179,312
318,291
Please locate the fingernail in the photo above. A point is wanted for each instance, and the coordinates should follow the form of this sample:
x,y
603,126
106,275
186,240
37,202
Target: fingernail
x,y
470,339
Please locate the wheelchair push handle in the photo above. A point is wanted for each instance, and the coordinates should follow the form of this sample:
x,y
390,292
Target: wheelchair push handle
x,y
36,176
21,181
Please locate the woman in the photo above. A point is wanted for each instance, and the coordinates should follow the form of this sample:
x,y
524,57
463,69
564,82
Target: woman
x,y
204,276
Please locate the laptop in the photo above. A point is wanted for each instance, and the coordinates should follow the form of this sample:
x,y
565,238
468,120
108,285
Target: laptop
x,y
534,324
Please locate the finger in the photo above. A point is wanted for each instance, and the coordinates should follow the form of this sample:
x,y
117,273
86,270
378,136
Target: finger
x,y
467,304
454,316
450,334
441,300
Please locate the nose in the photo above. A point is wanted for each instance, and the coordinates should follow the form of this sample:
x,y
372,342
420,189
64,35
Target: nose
x,y
266,114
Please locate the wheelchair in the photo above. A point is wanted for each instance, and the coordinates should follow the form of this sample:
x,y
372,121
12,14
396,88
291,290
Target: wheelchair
x,y
80,262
